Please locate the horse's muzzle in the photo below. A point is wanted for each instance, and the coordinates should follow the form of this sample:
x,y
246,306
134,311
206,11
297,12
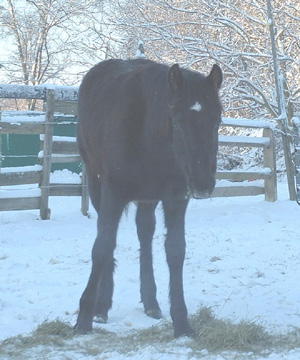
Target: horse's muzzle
x,y
204,189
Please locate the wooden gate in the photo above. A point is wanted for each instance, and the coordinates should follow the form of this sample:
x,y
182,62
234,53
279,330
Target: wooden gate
x,y
242,182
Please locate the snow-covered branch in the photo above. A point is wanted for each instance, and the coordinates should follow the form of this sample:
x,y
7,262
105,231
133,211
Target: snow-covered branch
x,y
234,34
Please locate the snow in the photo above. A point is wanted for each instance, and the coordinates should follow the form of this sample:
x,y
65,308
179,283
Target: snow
x,y
65,138
16,117
265,123
263,171
20,191
296,121
68,93
20,117
64,177
21,169
140,51
242,259
55,155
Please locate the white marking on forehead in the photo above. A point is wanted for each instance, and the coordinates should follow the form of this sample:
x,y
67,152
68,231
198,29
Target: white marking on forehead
x,y
196,107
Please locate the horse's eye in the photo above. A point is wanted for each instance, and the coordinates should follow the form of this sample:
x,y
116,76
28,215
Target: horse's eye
x,y
176,122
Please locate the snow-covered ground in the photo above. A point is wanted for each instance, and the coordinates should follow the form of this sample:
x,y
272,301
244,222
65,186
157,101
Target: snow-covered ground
x,y
243,259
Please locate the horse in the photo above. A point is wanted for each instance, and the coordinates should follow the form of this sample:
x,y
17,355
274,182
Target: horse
x,y
147,133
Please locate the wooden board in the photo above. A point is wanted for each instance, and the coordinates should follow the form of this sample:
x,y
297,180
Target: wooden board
x,y
11,91
27,203
20,178
247,123
224,191
243,175
65,147
65,158
65,189
65,107
20,127
244,141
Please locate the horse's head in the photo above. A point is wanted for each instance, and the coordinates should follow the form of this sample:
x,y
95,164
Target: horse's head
x,y
195,114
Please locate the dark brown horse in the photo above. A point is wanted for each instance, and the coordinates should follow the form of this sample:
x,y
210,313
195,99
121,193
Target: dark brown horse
x,y
147,133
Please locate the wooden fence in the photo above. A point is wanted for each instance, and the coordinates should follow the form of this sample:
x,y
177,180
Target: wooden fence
x,y
296,155
242,183
53,149
56,149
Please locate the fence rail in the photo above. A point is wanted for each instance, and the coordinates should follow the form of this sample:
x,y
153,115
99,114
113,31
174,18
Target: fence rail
x,y
238,186
28,175
61,93
61,149
58,99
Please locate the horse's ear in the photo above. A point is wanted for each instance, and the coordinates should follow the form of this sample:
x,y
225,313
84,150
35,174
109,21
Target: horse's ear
x,y
175,78
216,77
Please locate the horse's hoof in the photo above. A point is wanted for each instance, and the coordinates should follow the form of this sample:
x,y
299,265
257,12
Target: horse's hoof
x,y
82,330
187,330
154,313
100,319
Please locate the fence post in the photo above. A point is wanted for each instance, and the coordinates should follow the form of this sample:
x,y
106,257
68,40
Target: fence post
x,y
0,145
47,151
0,142
296,155
270,162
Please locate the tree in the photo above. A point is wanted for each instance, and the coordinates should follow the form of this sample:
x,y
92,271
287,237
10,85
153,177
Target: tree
x,y
235,34
50,38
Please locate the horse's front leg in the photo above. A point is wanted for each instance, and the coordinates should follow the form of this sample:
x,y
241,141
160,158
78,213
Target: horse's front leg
x,y
175,250
111,209
145,222
105,292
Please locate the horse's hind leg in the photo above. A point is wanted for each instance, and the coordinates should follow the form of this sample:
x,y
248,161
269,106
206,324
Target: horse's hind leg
x,y
145,221
111,209
105,287
94,185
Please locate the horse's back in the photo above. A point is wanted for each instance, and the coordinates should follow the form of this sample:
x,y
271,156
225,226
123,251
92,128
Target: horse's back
x,y
105,80
111,110
109,87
